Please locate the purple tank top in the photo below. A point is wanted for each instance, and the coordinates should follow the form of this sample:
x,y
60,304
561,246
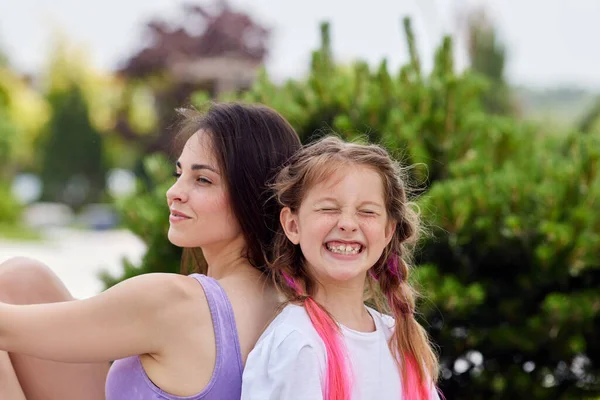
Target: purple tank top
x,y
127,380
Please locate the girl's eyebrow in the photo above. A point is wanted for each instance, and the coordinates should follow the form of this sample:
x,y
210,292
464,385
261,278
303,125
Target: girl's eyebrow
x,y
333,200
322,199
371,203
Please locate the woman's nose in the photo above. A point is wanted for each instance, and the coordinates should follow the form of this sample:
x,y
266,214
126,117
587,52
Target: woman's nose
x,y
177,192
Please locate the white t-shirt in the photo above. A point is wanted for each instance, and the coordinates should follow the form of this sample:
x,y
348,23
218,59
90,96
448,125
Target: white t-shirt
x,y
289,361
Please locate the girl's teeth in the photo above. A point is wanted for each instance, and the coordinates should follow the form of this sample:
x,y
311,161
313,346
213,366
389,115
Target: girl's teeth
x,y
343,249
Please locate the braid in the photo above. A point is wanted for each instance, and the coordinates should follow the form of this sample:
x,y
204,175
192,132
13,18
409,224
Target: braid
x,y
409,342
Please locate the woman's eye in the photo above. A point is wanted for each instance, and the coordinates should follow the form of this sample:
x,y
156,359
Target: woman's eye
x,y
176,175
368,212
203,180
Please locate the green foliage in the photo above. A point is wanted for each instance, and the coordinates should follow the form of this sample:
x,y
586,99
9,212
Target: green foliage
x,y
510,271
73,169
438,123
8,132
591,119
10,209
23,112
146,214
528,233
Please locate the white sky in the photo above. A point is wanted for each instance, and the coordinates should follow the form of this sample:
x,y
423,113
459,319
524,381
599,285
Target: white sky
x,y
550,43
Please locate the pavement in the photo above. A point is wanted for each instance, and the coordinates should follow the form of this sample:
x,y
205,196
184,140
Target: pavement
x,y
77,256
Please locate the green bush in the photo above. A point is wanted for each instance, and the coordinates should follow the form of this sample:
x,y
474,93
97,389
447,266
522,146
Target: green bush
x,y
511,274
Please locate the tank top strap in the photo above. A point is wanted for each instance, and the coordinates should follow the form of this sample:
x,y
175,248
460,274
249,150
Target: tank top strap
x,y
229,356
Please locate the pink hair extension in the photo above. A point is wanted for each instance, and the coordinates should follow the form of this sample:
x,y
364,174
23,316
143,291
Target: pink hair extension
x,y
413,387
373,274
337,380
394,264
291,283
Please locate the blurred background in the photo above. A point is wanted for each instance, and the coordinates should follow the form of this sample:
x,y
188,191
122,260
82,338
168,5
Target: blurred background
x,y
497,102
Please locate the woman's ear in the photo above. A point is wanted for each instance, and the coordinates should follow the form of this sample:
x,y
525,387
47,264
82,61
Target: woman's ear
x,y
289,223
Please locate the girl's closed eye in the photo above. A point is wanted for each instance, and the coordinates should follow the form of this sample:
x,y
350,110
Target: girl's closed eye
x,y
176,175
328,209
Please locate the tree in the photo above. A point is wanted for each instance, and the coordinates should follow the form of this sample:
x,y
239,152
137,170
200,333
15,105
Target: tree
x,y
22,115
487,57
168,66
73,168
4,62
591,119
9,208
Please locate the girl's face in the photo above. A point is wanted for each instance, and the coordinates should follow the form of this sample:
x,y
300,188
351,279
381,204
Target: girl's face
x,y
201,214
342,226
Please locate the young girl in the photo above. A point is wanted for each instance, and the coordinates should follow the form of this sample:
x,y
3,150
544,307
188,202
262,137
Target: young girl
x,y
173,336
345,223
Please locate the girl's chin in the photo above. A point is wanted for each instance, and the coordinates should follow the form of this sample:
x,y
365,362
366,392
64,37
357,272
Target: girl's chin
x,y
342,278
336,273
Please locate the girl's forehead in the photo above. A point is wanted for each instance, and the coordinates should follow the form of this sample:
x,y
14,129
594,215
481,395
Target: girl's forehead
x,y
361,182
335,175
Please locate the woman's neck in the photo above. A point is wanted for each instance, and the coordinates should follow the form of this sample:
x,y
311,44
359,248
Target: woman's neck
x,y
226,259
346,304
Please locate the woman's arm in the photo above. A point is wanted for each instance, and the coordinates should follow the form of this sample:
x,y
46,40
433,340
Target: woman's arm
x,y
136,316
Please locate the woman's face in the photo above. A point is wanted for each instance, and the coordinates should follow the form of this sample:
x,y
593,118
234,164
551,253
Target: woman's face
x,y
201,214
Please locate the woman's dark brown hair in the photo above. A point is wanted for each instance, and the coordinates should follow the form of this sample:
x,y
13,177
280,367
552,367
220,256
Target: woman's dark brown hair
x,y
251,144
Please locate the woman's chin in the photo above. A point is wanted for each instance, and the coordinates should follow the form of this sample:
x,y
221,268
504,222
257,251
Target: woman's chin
x,y
177,239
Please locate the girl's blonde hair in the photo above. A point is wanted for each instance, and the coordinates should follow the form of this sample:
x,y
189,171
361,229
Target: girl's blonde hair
x,y
387,281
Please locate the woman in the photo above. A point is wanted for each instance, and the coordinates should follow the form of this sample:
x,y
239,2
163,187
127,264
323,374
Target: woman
x,y
173,336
